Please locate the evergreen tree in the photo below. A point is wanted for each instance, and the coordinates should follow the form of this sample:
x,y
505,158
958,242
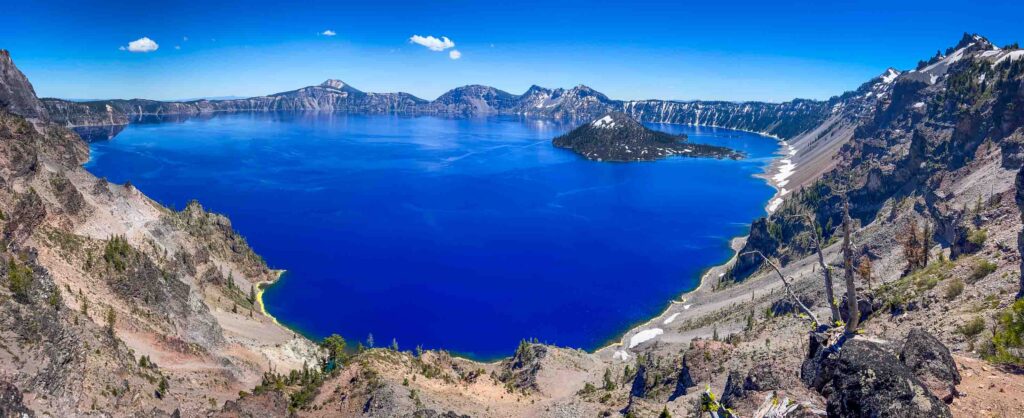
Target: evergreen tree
x,y
335,346
609,384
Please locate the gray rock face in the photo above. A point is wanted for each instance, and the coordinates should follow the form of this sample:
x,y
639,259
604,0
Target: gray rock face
x,y
763,377
11,403
16,93
931,362
733,391
860,379
268,404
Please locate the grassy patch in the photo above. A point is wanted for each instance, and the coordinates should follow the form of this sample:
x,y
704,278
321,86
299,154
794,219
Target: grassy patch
x,y
911,286
973,327
980,269
977,237
955,288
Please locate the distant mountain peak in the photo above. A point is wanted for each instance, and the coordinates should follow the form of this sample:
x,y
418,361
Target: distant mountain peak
x,y
972,38
889,75
333,83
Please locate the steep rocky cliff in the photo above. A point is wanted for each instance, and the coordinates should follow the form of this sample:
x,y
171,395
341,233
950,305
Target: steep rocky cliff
x,y
16,93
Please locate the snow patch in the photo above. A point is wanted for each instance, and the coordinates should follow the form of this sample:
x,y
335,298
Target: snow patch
x,y
604,123
890,76
670,318
645,335
621,355
1012,56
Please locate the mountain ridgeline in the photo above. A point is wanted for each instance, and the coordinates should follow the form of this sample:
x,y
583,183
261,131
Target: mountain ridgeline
x,y
580,103
618,137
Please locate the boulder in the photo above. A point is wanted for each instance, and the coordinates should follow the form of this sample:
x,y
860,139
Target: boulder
x,y
860,379
733,389
932,363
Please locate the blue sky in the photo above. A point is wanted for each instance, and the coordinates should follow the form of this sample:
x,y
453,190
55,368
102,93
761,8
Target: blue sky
x,y
725,49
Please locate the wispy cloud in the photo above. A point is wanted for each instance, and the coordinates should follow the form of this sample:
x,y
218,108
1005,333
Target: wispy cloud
x,y
143,44
432,43
454,54
328,32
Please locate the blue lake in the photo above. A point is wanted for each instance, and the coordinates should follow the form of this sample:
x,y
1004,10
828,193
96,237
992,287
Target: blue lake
x,y
462,234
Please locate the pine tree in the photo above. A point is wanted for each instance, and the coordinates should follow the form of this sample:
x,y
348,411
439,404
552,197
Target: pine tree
x,y
608,383
111,318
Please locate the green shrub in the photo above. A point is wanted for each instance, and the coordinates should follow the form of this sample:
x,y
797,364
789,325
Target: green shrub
x,y
20,278
1008,338
973,327
981,269
899,292
956,287
977,237
117,252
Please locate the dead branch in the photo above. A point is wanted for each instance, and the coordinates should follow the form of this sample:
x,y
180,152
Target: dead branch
x,y
785,283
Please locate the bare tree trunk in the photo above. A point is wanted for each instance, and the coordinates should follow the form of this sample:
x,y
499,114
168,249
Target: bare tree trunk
x,y
789,290
853,313
815,233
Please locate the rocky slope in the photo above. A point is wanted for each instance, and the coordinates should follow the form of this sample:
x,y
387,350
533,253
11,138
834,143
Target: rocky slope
x,y
617,137
111,303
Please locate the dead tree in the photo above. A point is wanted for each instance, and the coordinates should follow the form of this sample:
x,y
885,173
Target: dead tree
x,y
789,289
853,313
816,238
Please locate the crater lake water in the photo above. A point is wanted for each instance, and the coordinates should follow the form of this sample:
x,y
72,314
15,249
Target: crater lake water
x,y
462,234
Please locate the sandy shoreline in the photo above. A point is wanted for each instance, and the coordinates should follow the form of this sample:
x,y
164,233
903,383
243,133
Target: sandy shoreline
x,y
262,286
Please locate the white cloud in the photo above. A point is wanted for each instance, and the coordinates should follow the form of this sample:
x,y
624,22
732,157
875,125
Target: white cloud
x,y
142,44
177,47
184,38
454,54
328,32
432,43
